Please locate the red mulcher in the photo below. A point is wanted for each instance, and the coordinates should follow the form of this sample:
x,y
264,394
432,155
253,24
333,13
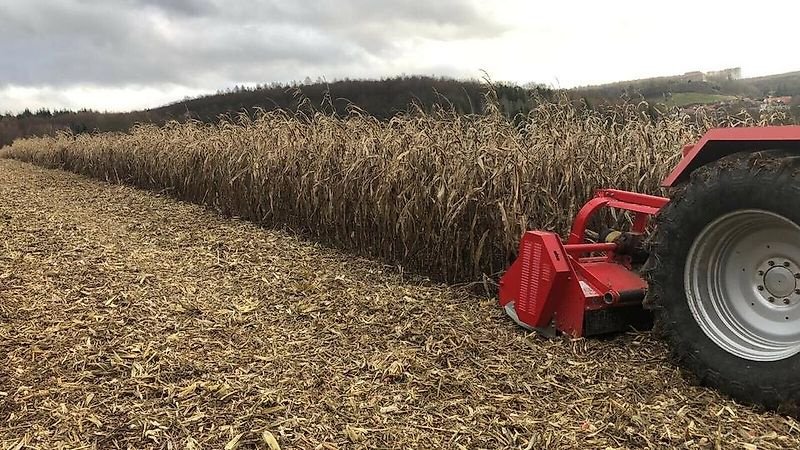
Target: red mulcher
x,y
719,266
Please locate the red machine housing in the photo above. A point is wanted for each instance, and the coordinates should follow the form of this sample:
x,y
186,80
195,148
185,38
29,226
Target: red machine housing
x,y
583,288
579,288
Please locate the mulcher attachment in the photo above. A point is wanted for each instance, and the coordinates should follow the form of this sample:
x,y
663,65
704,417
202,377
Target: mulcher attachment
x,y
581,288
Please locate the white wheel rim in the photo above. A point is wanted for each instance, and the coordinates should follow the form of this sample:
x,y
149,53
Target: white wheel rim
x,y
742,282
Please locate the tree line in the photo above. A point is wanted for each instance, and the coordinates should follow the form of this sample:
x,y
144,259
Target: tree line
x,y
381,98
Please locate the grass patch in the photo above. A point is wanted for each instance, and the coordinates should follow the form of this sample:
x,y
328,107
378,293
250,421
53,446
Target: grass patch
x,y
680,99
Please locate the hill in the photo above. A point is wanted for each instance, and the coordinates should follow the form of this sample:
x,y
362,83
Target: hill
x,y
781,84
380,98
384,98
696,88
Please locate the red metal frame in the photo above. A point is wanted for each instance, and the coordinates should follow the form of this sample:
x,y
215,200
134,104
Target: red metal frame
x,y
720,142
642,204
555,284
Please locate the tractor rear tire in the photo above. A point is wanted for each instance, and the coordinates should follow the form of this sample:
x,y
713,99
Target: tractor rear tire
x,y
724,277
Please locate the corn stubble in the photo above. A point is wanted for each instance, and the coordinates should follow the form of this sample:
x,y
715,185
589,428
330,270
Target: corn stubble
x,y
442,194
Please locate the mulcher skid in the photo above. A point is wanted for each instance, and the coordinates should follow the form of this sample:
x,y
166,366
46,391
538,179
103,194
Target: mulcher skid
x,y
581,288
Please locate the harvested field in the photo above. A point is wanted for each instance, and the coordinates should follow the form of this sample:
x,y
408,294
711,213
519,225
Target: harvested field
x,y
131,320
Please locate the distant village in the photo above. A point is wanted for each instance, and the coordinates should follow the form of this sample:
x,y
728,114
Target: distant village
x,y
769,103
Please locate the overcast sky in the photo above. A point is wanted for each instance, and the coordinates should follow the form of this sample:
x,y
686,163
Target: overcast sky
x,y
129,54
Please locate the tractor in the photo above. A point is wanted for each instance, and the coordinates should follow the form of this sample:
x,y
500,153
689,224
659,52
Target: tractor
x,y
715,266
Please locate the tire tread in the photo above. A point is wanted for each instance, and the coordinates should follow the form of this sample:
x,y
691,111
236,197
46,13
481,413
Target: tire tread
x,y
747,381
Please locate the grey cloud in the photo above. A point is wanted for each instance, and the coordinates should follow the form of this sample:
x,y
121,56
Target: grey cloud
x,y
191,8
211,42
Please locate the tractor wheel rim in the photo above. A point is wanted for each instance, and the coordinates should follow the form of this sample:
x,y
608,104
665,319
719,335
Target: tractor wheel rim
x,y
742,282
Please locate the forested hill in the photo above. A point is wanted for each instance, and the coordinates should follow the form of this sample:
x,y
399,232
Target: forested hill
x,y
694,88
384,98
381,98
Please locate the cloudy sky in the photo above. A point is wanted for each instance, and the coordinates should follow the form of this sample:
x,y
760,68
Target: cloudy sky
x,y
129,54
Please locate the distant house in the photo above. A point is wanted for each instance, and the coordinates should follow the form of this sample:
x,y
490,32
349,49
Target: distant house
x,y
775,103
734,73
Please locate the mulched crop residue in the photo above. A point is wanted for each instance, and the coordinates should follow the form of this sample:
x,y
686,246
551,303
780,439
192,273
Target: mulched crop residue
x,y
130,320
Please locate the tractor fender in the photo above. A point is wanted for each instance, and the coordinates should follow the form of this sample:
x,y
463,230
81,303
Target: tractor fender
x,y
720,142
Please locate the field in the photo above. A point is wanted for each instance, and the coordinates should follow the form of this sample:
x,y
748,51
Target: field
x,y
132,320
243,317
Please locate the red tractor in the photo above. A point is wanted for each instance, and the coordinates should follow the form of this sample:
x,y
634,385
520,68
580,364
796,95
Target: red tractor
x,y
718,266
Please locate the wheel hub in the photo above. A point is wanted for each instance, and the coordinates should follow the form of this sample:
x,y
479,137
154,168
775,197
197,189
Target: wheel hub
x,y
779,282
742,280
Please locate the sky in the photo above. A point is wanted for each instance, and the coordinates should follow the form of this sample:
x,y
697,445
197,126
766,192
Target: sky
x,y
122,55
